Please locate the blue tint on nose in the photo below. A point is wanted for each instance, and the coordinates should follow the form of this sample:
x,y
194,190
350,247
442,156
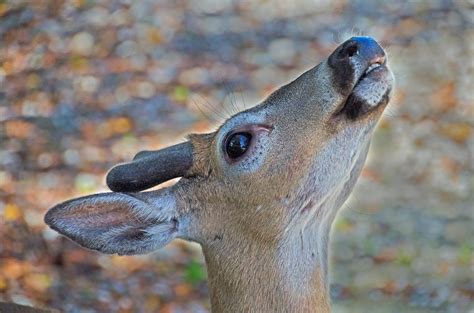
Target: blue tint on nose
x,y
352,58
367,49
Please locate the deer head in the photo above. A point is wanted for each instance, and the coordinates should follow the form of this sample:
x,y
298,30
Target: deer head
x,y
259,194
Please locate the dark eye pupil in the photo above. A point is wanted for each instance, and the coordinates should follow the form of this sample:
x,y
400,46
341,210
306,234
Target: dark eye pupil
x,y
237,144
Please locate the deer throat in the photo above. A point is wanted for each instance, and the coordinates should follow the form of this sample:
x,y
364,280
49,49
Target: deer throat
x,y
248,276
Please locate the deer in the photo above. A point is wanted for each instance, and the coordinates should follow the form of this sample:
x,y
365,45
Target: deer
x,y
259,194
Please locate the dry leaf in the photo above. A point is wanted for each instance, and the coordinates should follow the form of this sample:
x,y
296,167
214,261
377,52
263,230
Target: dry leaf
x,y
11,212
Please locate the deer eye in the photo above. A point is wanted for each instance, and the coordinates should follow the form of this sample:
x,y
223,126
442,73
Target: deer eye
x,y
237,144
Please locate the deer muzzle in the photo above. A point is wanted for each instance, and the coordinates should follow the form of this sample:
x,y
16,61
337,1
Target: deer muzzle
x,y
361,75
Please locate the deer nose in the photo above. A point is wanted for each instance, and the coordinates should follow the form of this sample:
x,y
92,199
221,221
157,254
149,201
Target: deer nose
x,y
361,49
351,59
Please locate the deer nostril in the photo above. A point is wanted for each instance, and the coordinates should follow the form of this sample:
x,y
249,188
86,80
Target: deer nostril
x,y
350,50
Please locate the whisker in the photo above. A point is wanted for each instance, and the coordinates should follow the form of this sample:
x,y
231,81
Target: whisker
x,y
233,103
336,37
351,208
218,115
225,105
203,113
243,100
391,113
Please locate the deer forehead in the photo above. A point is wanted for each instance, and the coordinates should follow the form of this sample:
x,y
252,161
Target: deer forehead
x,y
296,116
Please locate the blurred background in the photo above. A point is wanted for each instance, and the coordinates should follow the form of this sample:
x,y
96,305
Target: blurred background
x,y
86,84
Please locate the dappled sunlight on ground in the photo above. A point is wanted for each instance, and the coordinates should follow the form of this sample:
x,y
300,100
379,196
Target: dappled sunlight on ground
x,y
84,86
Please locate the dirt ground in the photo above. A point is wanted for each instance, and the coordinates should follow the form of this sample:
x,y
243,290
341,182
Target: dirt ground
x,y
86,84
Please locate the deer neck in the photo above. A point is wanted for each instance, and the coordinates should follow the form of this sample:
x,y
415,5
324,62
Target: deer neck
x,y
287,276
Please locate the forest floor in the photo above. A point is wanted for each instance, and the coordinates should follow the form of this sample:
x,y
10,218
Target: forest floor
x,y
85,85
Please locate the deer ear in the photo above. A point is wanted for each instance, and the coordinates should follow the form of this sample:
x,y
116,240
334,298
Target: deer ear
x,y
151,168
118,223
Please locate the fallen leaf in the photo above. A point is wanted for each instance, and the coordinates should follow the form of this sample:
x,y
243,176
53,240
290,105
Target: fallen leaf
x,y
458,132
11,212
14,269
182,290
38,282
3,283
444,98
18,128
385,255
389,288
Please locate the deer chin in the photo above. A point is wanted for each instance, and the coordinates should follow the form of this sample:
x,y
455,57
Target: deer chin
x,y
370,93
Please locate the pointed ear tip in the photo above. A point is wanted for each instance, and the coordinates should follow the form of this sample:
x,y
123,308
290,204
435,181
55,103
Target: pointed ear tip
x,y
48,219
51,216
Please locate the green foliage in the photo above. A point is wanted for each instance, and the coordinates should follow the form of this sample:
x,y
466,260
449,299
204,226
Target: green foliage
x,y
194,272
404,258
465,253
180,93
369,247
